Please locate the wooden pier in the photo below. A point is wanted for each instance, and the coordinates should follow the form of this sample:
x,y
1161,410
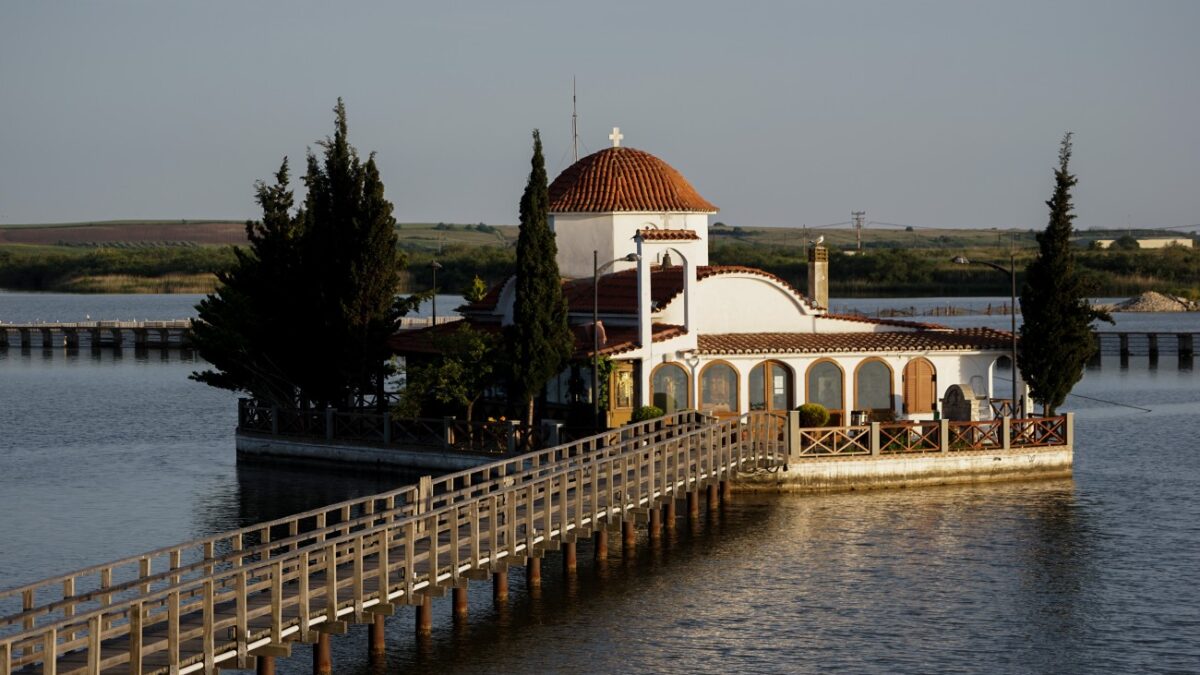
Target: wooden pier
x,y
1150,344
241,599
98,334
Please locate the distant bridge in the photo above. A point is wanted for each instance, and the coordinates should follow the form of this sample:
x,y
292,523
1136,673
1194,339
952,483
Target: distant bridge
x,y
173,333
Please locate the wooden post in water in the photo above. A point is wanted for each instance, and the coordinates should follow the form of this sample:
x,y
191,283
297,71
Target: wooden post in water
x,y
693,504
669,516
628,538
264,665
533,572
460,601
714,501
377,637
600,544
569,560
500,586
654,527
425,615
322,658
726,491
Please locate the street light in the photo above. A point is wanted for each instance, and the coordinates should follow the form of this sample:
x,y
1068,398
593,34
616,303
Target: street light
x,y
1012,311
596,269
435,265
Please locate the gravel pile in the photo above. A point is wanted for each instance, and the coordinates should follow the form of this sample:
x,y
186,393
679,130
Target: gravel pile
x,y
1155,302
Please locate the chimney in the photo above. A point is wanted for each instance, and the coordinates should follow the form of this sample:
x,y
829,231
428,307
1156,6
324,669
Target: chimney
x,y
818,275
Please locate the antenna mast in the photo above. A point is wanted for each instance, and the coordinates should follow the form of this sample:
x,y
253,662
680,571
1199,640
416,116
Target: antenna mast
x,y
574,123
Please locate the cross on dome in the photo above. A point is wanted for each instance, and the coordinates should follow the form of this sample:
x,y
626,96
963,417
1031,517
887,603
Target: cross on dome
x,y
616,137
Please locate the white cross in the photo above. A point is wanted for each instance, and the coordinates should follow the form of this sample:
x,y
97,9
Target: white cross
x,y
616,137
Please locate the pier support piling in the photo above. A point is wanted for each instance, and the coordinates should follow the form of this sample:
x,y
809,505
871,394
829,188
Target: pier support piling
x,y
714,500
500,586
376,638
628,537
460,602
726,491
693,504
600,544
570,563
669,516
533,573
322,658
654,527
264,665
425,616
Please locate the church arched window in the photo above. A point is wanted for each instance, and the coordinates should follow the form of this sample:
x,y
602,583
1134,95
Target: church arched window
x,y
824,385
669,388
873,385
719,388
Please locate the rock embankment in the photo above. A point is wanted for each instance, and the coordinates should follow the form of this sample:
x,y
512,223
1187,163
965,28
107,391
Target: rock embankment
x,y
1154,302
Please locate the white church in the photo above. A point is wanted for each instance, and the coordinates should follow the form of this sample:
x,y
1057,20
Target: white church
x,y
684,334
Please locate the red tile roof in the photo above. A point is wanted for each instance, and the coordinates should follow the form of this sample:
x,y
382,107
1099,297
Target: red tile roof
x,y
825,343
617,339
669,235
624,179
860,318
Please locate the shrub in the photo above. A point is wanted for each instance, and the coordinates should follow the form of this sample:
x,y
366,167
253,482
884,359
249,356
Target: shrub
x,y
813,415
647,412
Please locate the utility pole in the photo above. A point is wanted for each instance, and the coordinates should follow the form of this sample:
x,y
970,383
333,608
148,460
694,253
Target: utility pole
x,y
858,225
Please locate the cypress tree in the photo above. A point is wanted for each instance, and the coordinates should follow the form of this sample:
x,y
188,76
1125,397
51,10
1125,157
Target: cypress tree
x,y
1056,338
237,326
539,340
304,316
350,253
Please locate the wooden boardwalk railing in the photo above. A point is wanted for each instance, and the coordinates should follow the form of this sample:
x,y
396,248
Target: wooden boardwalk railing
x,y
217,601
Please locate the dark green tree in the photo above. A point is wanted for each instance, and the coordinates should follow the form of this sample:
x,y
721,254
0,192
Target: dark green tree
x,y
332,267
1126,242
353,272
1056,339
539,341
237,326
457,376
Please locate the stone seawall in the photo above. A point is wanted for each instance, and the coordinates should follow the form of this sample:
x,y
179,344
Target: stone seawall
x,y
897,471
281,448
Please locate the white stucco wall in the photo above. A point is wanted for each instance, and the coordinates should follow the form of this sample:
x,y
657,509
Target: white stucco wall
x,y
611,234
744,303
577,235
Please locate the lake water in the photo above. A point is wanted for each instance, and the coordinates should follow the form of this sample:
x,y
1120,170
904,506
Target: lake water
x,y
103,456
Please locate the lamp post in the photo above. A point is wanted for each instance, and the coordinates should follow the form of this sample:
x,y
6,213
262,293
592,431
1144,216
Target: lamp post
x,y
1012,311
435,266
596,269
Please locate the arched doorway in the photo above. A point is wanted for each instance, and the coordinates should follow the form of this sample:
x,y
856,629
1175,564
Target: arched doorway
x,y
824,384
719,389
770,386
669,388
873,387
920,387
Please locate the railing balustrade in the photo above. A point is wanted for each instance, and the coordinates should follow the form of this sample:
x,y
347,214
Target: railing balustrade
x,y
436,531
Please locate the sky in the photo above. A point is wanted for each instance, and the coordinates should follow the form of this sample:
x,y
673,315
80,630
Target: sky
x,y
941,114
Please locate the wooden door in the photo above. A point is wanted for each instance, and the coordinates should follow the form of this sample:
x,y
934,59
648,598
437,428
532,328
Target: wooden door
x,y
920,387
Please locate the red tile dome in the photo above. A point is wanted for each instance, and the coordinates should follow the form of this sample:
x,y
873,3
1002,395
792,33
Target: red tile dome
x,y
624,179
